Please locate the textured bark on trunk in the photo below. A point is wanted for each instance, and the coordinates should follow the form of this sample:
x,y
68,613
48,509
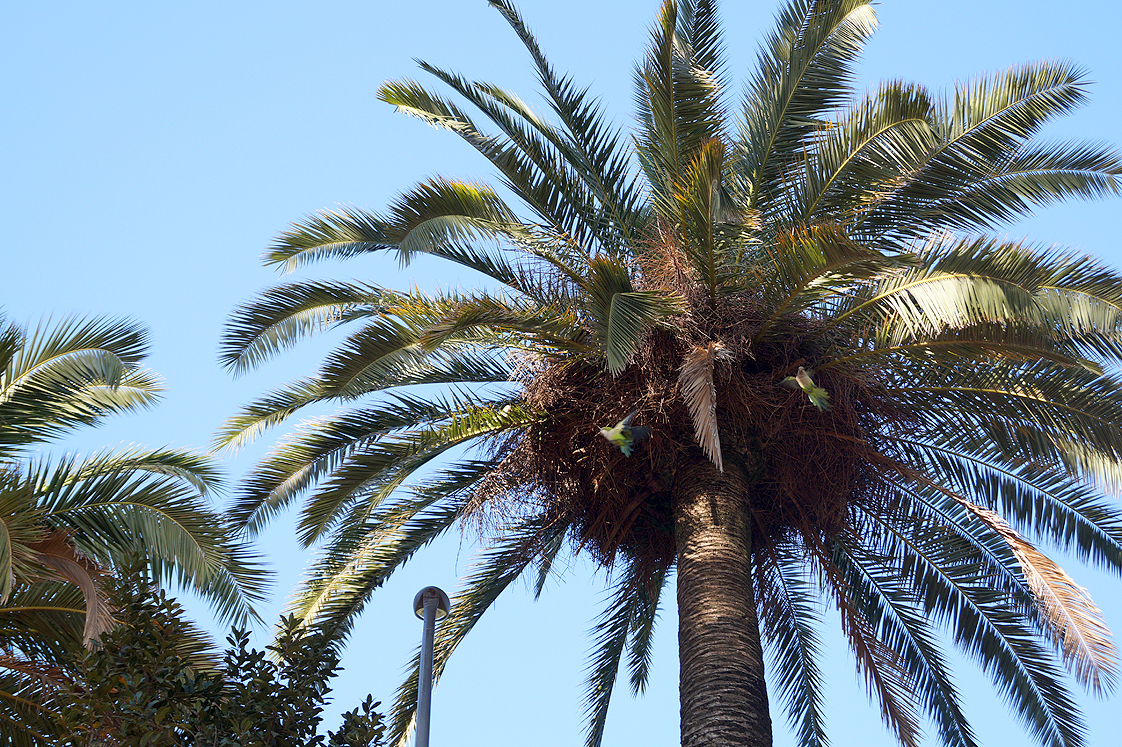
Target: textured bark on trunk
x,y
722,690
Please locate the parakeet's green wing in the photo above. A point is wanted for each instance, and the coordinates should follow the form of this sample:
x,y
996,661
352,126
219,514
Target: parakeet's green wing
x,y
818,397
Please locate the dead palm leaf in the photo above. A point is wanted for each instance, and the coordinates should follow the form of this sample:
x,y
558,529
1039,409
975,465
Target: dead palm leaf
x,y
700,394
57,552
1075,622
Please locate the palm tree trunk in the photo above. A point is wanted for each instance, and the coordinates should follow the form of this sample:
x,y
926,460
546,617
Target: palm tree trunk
x,y
722,689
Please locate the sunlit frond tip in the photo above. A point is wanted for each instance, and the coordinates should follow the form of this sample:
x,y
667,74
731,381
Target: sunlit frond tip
x,y
1073,621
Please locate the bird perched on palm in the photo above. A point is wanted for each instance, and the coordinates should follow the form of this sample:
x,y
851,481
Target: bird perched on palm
x,y
816,394
624,435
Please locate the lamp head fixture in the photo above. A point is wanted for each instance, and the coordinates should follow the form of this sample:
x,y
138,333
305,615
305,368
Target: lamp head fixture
x,y
443,604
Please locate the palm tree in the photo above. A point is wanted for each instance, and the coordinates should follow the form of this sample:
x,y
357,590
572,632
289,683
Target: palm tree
x,y
67,522
947,404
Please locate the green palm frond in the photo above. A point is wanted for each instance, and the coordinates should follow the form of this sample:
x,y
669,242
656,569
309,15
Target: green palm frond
x,y
928,303
984,130
11,341
629,615
888,607
619,314
642,631
856,160
1011,444
699,28
595,152
528,164
805,69
59,402
21,526
890,674
186,467
445,218
451,364
534,163
44,620
340,584
983,296
998,637
788,614
76,372
496,570
678,90
141,504
701,207
370,475
360,558
997,111
69,374
351,453
1033,176
1042,502
900,343
439,213
1056,400
383,349
802,268
49,342
268,411
297,463
1089,325
549,326
1087,463
419,340
27,715
286,314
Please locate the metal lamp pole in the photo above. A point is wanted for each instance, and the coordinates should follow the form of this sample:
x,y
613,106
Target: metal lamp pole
x,y
430,604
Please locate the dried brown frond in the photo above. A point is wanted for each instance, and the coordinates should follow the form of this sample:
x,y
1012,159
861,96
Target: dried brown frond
x,y
700,394
888,681
663,264
886,677
37,670
1077,625
57,552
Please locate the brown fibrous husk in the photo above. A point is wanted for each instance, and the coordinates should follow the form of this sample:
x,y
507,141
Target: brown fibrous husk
x,y
806,468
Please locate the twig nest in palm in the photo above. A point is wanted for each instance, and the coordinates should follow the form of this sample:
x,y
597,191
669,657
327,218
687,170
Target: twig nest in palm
x,y
802,466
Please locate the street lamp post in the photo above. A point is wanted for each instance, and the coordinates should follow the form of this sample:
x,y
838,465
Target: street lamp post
x,y
430,604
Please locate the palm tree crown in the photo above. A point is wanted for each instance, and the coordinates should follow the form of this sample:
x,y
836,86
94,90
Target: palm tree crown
x,y
619,377
67,521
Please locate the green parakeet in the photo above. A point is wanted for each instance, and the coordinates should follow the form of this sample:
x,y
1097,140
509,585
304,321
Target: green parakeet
x,y
624,435
816,394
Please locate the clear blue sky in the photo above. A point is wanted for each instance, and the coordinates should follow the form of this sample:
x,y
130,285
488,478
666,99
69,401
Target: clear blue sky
x,y
152,150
